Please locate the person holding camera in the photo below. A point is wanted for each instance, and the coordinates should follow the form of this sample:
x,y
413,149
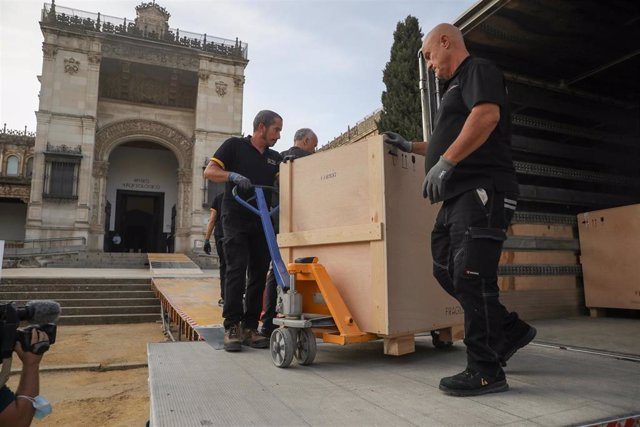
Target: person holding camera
x,y
18,410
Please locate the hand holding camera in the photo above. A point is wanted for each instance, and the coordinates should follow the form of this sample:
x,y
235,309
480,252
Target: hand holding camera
x,y
39,343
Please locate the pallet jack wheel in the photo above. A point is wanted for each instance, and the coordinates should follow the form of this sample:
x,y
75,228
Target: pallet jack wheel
x,y
282,346
437,342
306,347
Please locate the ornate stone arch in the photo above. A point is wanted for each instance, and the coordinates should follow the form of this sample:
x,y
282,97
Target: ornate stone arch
x,y
111,135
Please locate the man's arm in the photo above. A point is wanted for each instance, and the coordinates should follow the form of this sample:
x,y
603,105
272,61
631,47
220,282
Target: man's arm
x,y
215,173
396,140
212,221
482,120
419,147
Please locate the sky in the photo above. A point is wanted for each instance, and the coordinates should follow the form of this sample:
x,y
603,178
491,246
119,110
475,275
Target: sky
x,y
318,63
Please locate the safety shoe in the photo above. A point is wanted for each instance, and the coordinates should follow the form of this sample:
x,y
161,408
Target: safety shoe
x,y
473,383
511,347
253,339
267,330
232,338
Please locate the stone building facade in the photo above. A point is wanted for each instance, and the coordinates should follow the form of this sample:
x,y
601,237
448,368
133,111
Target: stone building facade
x,y
363,129
129,113
16,169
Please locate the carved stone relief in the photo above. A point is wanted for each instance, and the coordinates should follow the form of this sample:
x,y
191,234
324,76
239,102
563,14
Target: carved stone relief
x,y
22,192
221,88
238,81
151,56
94,58
49,51
71,65
107,137
184,175
100,168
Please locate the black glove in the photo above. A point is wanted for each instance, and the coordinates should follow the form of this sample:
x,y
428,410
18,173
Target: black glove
x,y
207,247
240,180
288,158
397,141
433,185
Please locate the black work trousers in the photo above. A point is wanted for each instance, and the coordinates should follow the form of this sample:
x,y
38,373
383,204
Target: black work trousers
x,y
247,255
270,300
466,244
223,264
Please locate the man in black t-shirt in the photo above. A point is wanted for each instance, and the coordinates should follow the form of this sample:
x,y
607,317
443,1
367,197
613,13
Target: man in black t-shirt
x,y
215,226
305,142
469,168
244,162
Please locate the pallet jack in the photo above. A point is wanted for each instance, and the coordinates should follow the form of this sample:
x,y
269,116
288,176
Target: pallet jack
x,y
312,306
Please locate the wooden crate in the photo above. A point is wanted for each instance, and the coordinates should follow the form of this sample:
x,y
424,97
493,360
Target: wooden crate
x,y
609,244
359,209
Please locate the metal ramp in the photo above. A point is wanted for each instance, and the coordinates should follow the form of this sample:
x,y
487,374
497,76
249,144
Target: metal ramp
x,y
191,384
172,265
187,301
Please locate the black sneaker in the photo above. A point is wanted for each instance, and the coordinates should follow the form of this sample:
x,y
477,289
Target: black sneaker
x,y
512,347
232,338
472,383
253,339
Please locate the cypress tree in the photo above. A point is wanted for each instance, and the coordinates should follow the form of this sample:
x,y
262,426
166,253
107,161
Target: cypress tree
x,y
401,101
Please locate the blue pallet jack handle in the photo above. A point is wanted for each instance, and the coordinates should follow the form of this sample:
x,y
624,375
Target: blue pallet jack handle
x,y
265,214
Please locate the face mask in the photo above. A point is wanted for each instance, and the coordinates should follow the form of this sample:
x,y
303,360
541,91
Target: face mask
x,y
41,405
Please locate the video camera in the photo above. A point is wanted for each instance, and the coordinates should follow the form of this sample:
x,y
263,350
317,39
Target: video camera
x,y
41,315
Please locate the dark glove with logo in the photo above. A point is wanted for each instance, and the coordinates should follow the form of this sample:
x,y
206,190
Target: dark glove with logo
x,y
240,180
433,186
396,140
207,247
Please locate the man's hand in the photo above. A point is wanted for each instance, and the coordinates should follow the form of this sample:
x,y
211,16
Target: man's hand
x,y
433,186
288,158
29,358
397,141
207,247
240,180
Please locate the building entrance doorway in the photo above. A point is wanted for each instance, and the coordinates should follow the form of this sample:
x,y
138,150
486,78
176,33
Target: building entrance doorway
x,y
138,222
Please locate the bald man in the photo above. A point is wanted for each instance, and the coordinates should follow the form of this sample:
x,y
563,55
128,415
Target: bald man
x,y
469,169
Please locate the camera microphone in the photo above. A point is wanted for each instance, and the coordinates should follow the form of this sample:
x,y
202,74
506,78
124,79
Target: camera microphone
x,y
42,312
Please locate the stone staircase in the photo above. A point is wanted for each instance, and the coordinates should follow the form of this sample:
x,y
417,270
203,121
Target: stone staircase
x,y
88,301
115,260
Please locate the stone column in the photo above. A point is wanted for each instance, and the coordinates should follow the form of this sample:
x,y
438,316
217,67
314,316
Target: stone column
x,y
98,202
183,214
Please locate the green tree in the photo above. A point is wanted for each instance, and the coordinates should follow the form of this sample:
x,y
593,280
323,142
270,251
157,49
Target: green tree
x,y
401,101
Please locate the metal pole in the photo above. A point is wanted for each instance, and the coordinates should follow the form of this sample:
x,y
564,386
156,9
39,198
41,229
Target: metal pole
x,y
424,97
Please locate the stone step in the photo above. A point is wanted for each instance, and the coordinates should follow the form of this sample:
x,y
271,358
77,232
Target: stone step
x,y
110,309
86,287
59,295
74,280
108,319
88,301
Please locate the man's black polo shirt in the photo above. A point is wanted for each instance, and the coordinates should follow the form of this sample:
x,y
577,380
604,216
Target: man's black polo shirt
x,y
294,152
240,156
491,166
